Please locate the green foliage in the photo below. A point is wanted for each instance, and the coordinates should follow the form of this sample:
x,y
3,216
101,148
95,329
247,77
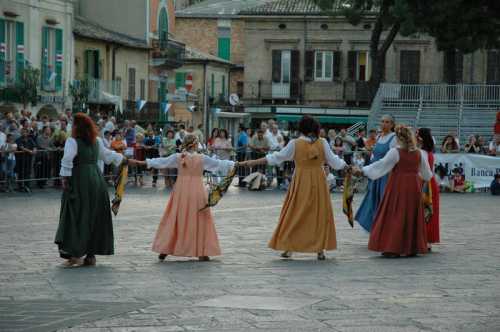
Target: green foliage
x,y
26,88
79,92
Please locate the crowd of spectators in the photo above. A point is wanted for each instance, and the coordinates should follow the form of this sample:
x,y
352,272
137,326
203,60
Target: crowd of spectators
x,y
31,147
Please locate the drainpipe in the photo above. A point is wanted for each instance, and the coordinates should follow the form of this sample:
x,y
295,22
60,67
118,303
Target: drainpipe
x,y
303,62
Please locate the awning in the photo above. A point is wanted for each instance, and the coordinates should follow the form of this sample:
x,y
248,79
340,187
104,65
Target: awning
x,y
231,115
348,120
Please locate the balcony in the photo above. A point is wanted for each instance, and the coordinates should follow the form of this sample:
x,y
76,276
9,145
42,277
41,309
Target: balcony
x,y
274,92
101,91
357,92
168,54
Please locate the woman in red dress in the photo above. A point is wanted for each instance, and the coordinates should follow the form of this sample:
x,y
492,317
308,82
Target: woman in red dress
x,y
426,144
399,226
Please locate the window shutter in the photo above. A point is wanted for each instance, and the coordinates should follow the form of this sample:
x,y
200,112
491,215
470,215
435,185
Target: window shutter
x,y
45,58
212,85
459,61
19,51
59,59
309,66
224,48
97,64
336,65
223,86
180,80
351,65
295,73
276,66
2,52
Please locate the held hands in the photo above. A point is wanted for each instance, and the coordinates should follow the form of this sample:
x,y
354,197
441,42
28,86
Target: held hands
x,y
356,171
134,162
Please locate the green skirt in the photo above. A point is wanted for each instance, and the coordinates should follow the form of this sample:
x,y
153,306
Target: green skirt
x,y
85,222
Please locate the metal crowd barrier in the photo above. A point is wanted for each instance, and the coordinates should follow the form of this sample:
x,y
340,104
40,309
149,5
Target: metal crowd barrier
x,y
41,169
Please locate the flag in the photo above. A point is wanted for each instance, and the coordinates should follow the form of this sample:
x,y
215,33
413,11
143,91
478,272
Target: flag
x,y
347,198
140,104
165,107
217,191
52,76
216,110
120,182
191,108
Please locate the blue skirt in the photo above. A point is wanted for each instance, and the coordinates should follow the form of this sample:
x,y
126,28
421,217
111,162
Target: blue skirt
x,y
368,209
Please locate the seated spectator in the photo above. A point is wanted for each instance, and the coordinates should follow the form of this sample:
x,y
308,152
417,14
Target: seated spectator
x,y
331,136
361,140
472,145
450,145
338,147
481,142
260,146
457,182
495,185
494,147
349,144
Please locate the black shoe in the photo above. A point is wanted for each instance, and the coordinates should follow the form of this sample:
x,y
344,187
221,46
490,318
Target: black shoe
x,y
162,257
321,256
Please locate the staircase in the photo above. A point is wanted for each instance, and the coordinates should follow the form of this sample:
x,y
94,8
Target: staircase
x,y
462,109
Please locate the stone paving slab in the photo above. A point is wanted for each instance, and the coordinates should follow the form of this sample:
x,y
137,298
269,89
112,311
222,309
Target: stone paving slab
x,y
258,302
456,288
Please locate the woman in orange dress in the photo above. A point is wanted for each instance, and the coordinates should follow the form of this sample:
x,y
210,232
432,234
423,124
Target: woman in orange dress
x,y
306,222
184,230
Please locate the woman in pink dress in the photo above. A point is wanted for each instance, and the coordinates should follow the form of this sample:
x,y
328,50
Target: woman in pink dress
x,y
184,230
426,143
399,226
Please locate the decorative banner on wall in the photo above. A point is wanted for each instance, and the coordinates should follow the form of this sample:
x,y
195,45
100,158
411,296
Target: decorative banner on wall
x,y
165,107
478,169
140,104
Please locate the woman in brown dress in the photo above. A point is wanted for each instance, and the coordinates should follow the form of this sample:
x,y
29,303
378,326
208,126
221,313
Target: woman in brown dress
x,y
306,221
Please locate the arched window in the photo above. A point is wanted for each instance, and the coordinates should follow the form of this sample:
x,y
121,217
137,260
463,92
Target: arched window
x,y
163,28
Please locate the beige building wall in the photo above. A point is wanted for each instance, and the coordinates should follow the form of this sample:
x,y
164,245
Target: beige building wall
x,y
132,58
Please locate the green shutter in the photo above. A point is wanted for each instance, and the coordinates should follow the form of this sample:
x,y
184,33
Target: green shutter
x,y
212,86
163,92
224,46
19,51
180,80
59,59
2,54
45,57
223,87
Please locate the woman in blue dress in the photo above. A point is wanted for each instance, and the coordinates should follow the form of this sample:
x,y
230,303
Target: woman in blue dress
x,y
385,141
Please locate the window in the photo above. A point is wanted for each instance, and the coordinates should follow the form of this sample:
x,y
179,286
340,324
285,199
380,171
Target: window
x,y
453,66
52,59
163,28
11,51
223,89
240,88
409,67
358,65
493,67
143,90
323,66
92,68
224,39
131,84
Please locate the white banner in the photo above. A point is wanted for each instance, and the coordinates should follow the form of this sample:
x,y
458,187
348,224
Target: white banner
x,y
478,169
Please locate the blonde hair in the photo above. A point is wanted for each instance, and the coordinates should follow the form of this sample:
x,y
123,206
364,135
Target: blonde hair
x,y
406,138
190,141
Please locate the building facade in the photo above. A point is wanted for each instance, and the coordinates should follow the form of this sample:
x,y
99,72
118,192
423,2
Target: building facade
x,y
115,65
37,34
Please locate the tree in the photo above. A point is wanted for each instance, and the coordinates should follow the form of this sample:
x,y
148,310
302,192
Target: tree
x,y
459,27
26,88
79,92
390,18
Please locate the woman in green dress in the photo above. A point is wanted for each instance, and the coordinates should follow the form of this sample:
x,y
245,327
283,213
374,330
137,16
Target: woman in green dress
x,y
85,222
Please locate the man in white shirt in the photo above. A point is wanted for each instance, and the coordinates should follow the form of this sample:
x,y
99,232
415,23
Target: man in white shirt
x,y
275,138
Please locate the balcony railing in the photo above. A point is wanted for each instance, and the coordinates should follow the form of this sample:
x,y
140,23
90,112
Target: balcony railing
x,y
274,92
101,90
169,54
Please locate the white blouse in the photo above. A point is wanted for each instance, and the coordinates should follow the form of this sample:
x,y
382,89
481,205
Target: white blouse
x,y
71,150
209,164
288,153
386,164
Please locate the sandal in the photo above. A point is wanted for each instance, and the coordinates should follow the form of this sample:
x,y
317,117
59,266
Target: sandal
x,y
89,261
162,257
72,262
204,258
321,256
286,254
390,255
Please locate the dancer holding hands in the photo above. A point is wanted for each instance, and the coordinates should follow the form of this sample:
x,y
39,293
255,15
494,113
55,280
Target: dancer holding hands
x,y
306,222
399,226
187,228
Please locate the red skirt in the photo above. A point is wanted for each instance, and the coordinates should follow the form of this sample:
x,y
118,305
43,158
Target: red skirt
x,y
433,225
399,225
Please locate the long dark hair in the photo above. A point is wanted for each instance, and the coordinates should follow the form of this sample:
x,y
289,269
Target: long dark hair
x,y
427,142
308,126
84,128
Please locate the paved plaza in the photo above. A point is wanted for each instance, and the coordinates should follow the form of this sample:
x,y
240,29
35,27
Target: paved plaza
x,y
456,288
